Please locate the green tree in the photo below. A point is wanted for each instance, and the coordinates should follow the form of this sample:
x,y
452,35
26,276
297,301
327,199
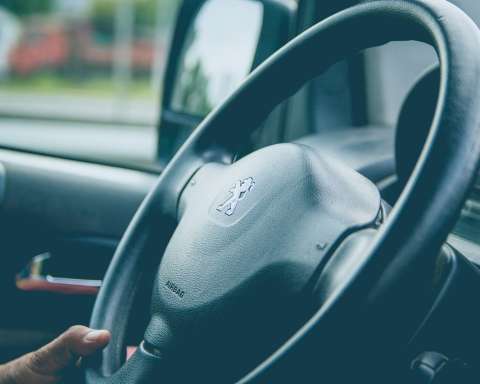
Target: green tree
x,y
103,13
27,7
193,90
103,16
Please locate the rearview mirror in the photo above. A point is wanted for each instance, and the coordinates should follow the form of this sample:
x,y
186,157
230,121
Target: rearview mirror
x,y
215,45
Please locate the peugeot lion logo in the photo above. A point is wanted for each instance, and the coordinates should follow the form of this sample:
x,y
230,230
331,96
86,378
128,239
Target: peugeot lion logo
x,y
237,193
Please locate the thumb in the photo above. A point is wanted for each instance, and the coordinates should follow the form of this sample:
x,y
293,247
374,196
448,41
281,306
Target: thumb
x,y
54,359
64,351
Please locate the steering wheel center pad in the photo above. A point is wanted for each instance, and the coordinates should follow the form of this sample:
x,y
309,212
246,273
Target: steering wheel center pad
x,y
228,275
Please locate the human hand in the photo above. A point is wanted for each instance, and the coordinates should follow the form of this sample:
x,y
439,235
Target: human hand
x,y
51,363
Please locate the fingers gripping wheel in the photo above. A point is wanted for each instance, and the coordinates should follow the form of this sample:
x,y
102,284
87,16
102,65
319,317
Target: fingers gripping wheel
x,y
244,244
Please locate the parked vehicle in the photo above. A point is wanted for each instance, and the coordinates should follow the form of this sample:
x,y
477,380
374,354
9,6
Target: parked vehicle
x,y
9,31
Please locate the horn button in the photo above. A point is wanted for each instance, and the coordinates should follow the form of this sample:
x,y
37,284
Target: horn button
x,y
250,239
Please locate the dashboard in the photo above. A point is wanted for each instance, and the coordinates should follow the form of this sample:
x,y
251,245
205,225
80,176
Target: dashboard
x,y
370,151
2,182
466,234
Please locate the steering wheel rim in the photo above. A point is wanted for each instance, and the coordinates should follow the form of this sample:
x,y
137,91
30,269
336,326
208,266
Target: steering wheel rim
x,y
419,223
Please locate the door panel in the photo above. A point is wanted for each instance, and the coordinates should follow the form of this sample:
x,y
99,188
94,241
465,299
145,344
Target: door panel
x,y
73,210
70,196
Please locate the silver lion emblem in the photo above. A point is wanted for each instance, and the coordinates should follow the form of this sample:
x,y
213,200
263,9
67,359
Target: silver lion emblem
x,y
237,193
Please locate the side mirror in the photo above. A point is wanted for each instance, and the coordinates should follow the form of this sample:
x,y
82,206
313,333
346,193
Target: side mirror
x,y
215,45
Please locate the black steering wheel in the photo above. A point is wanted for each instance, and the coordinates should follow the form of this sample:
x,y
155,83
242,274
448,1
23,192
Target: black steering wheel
x,y
266,262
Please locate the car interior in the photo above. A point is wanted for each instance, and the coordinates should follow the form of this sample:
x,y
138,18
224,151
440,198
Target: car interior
x,y
291,196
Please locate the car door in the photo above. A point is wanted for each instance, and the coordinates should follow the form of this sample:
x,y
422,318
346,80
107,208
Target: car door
x,y
79,96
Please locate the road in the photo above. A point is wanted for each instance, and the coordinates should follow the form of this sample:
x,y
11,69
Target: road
x,y
101,141
127,130
142,111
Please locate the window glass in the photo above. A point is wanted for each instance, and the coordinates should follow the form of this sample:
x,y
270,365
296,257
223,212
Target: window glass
x,y
393,69
83,77
218,54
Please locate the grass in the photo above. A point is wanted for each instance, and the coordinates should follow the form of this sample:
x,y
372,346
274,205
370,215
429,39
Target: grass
x,y
96,86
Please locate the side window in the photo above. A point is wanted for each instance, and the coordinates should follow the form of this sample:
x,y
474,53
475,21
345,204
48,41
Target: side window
x,y
393,69
216,45
82,78
216,57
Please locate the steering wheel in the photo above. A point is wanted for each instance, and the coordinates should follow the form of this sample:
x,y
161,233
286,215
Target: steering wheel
x,y
266,262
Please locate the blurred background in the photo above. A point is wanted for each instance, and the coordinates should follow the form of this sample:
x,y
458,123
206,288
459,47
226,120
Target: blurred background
x,y
83,78
87,73
88,59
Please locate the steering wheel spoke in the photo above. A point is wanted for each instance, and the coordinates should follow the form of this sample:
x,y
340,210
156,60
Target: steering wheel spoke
x,y
347,260
139,369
